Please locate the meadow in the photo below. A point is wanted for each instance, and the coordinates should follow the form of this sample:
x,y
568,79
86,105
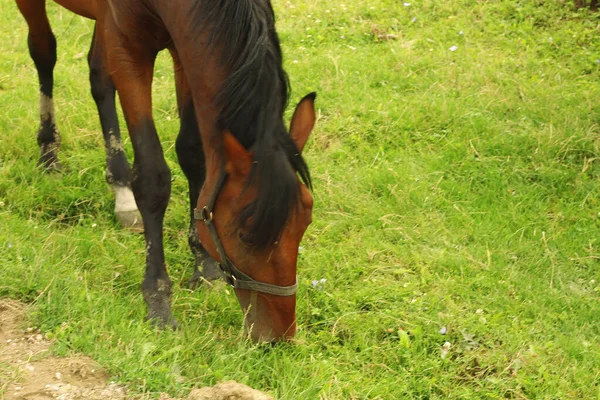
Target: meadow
x,y
454,251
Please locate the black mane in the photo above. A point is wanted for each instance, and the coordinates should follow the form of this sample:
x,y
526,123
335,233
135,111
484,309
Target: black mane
x,y
252,101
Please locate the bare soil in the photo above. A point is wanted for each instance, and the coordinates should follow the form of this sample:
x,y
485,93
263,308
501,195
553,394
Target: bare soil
x,y
28,371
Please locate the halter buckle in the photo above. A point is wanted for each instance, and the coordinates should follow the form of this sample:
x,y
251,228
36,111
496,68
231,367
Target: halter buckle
x,y
206,215
229,277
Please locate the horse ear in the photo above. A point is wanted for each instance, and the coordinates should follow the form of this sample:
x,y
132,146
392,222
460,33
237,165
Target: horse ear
x,y
303,120
238,159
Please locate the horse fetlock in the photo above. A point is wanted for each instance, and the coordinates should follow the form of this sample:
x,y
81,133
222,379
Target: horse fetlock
x,y
164,286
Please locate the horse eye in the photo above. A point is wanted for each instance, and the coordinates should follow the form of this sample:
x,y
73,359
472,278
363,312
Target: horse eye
x,y
244,240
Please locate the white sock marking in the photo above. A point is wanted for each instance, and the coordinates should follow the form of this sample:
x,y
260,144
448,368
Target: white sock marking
x,y
124,199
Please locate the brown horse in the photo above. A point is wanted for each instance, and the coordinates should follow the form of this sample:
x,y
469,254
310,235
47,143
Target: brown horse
x,y
250,202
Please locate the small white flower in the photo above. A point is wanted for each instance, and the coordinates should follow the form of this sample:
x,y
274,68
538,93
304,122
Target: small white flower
x,y
453,48
443,330
414,19
460,33
445,349
318,284
406,4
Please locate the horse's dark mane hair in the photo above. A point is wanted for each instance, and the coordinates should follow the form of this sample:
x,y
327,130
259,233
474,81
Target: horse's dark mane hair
x,y
251,102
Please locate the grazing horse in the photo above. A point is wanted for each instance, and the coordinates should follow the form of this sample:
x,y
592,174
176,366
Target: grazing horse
x,y
250,202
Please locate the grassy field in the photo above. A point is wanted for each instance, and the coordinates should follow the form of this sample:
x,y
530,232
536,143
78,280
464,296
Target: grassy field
x,y
457,207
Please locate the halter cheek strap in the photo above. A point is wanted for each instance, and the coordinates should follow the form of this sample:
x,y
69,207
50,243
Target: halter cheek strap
x,y
233,276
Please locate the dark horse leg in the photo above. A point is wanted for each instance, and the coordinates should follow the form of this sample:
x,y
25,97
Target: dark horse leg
x,y
42,48
191,159
118,172
131,63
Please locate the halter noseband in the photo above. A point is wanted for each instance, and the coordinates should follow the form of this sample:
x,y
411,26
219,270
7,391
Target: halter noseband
x,y
233,276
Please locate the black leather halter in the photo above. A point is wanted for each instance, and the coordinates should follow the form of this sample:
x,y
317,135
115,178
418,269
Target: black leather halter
x,y
233,276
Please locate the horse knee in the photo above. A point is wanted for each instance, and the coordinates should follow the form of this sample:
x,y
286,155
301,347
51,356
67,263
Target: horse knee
x,y
151,185
101,85
42,49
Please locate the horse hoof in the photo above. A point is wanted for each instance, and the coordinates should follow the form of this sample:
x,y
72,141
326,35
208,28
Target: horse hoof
x,y
163,324
131,220
210,270
195,280
50,164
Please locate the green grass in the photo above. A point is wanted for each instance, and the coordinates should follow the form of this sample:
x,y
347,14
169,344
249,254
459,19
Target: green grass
x,y
455,189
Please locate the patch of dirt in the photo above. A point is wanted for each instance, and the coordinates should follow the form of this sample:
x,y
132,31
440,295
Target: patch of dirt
x,y
29,372
228,391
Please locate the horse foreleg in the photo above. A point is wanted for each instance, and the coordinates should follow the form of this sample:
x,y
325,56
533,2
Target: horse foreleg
x,y
118,172
131,66
42,48
191,160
